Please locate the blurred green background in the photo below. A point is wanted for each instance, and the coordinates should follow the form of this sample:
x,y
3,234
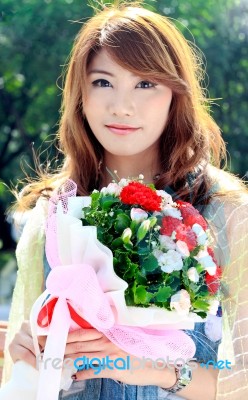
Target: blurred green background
x,y
35,39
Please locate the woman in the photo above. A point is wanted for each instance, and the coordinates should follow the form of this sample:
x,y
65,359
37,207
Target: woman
x,y
133,103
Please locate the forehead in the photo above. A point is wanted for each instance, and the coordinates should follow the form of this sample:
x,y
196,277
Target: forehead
x,y
103,62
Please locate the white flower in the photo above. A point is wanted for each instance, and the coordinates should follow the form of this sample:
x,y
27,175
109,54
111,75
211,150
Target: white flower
x,y
113,189
193,274
123,182
166,242
206,261
138,215
182,248
166,197
200,234
214,305
171,211
181,302
157,253
170,261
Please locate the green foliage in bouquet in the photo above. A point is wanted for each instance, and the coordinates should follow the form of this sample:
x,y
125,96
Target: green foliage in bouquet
x,y
133,223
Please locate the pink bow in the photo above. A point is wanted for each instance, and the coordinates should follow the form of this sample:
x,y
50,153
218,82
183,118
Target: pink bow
x,y
79,286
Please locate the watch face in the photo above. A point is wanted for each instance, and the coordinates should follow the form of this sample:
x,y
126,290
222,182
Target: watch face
x,y
185,375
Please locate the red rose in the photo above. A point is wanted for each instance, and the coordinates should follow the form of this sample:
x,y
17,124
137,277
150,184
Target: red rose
x,y
191,215
137,193
213,281
169,224
186,234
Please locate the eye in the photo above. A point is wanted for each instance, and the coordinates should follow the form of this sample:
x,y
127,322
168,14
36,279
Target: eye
x,y
145,85
101,83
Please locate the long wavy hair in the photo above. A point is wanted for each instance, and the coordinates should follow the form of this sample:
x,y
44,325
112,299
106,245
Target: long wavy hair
x,y
150,46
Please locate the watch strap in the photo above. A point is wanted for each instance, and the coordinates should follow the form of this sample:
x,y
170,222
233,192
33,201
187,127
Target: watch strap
x,y
184,377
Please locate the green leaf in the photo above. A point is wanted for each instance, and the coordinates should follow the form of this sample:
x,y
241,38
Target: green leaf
x,y
194,287
106,202
163,294
200,305
150,264
141,279
108,239
128,246
131,271
199,268
134,226
187,263
201,314
195,251
94,199
143,251
129,297
140,295
117,243
122,222
85,211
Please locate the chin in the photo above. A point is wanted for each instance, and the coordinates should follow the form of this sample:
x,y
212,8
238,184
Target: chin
x,y
124,152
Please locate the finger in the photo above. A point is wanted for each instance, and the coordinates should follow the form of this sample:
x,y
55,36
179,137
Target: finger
x,y
23,339
95,372
25,327
82,360
84,335
42,341
18,352
100,344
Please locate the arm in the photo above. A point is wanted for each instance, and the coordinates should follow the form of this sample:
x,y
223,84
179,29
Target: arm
x,y
93,344
202,386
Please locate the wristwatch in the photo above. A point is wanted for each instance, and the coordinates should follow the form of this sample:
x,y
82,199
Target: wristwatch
x,y
184,377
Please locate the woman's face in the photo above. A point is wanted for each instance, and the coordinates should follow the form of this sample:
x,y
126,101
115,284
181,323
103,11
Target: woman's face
x,y
127,114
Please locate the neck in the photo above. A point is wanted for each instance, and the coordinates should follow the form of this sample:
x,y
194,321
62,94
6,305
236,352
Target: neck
x,y
129,167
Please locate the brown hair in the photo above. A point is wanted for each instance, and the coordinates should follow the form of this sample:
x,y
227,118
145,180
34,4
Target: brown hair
x,y
149,45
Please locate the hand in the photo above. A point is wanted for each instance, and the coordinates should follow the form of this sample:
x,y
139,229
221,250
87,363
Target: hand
x,y
90,343
21,347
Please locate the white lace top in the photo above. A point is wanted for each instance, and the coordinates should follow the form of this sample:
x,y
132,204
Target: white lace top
x,y
228,220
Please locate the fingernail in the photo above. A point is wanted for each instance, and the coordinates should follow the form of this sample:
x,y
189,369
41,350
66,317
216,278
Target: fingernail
x,y
74,377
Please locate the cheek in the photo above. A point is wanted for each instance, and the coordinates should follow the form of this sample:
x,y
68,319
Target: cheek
x,y
93,103
158,104
158,110
92,112
164,101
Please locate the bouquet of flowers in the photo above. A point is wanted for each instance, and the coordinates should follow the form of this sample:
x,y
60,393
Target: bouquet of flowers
x,y
133,264
160,247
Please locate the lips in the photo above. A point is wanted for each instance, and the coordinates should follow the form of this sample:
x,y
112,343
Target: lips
x,y
121,129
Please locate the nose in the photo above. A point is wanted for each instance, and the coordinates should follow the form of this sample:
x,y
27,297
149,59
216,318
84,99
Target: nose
x,y
121,104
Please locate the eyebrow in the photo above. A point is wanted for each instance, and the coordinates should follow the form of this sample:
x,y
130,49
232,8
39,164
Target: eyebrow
x,y
100,71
